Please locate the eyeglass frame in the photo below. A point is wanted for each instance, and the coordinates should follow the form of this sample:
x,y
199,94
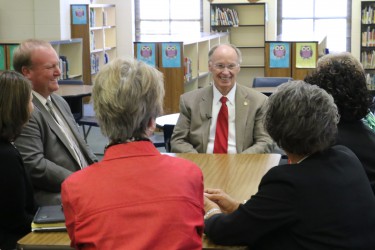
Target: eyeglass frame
x,y
222,67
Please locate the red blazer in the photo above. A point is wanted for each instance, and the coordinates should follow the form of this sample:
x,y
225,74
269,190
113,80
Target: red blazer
x,y
135,198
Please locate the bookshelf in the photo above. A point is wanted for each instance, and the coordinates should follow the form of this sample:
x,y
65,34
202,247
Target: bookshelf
x,y
246,24
96,25
70,50
189,70
368,36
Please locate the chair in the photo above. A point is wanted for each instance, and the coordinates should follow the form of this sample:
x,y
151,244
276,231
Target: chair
x,y
269,81
83,113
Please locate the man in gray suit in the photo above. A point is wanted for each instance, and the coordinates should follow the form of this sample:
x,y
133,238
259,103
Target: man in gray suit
x,y
50,144
196,127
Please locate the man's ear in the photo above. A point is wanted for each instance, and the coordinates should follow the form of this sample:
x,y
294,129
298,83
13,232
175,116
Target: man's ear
x,y
26,72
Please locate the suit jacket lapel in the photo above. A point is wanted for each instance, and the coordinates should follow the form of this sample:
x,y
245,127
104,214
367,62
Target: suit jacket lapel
x,y
242,110
205,107
52,124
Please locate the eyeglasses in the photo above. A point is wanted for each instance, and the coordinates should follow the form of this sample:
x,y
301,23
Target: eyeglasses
x,y
221,66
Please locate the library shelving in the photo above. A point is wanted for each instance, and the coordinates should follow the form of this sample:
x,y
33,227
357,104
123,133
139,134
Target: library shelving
x,y
295,58
6,54
96,25
246,24
183,61
368,36
69,52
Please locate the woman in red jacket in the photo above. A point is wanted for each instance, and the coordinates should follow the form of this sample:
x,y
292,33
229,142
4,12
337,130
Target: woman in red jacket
x,y
135,198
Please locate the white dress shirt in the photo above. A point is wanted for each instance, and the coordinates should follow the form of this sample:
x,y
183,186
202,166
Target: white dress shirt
x,y
216,105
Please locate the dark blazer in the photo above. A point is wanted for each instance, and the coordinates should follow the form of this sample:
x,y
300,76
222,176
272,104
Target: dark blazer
x,y
190,135
46,152
16,196
325,202
361,140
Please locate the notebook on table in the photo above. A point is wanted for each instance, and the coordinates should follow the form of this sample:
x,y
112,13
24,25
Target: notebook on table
x,y
49,218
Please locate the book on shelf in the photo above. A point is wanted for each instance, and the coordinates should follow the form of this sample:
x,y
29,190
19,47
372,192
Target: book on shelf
x,y
64,67
187,69
49,218
368,15
92,18
224,16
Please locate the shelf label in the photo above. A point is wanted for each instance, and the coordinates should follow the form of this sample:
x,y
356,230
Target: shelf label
x,y
171,55
146,53
79,14
279,55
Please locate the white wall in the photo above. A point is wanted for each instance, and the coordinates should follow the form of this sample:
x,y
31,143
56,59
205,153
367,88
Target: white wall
x,y
43,19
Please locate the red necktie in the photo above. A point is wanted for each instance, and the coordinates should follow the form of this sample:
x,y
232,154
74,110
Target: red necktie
x,y
221,135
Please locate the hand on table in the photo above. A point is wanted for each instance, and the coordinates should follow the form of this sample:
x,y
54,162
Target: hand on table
x,y
216,196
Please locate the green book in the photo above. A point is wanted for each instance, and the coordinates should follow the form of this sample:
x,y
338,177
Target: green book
x,y
2,58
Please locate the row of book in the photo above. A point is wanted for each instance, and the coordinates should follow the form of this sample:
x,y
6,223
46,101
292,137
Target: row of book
x,y
95,61
224,16
368,37
64,68
368,59
368,15
93,18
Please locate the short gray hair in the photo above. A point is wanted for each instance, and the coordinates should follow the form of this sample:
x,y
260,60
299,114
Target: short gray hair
x,y
238,52
22,54
127,93
302,118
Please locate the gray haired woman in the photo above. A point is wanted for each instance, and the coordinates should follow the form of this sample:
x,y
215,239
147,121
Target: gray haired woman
x,y
135,192
321,200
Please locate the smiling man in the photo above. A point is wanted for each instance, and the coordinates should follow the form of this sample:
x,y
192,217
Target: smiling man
x,y
225,117
50,144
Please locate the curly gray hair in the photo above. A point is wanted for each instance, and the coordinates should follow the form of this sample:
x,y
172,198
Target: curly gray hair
x,y
302,118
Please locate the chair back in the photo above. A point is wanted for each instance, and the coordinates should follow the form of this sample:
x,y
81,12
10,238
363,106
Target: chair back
x,y
270,81
70,82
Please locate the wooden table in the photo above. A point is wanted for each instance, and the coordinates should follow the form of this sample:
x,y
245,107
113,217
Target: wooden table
x,y
73,95
237,174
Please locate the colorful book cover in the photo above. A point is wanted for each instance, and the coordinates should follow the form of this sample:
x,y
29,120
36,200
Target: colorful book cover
x,y
305,55
79,14
171,55
11,51
146,52
2,58
279,55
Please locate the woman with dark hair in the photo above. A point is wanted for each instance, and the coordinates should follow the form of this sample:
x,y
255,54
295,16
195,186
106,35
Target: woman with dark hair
x,y
342,76
321,200
16,194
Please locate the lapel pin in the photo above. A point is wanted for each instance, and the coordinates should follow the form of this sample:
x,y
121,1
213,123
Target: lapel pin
x,y
245,103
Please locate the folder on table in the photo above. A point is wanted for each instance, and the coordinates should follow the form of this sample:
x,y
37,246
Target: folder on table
x,y
49,218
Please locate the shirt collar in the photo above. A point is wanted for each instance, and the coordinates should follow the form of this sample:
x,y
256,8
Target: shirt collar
x,y
41,98
230,95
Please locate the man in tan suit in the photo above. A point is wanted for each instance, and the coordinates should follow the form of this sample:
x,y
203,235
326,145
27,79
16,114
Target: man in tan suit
x,y
196,126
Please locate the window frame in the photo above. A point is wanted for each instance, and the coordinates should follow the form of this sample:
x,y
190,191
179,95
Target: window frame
x,y
348,20
138,20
